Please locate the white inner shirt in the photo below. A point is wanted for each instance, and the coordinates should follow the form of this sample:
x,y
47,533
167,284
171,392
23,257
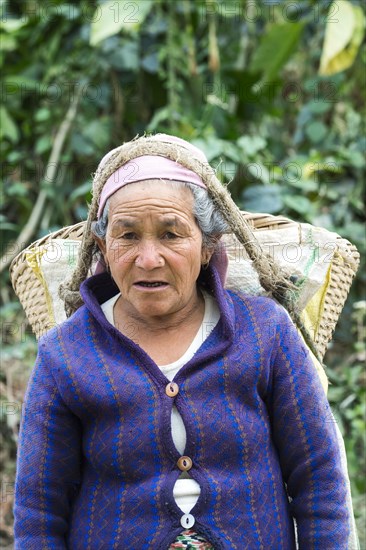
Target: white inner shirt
x,y
186,490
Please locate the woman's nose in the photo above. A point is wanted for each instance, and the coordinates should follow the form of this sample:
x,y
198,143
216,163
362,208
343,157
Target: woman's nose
x,y
148,256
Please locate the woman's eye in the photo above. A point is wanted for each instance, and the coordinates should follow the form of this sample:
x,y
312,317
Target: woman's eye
x,y
128,236
169,235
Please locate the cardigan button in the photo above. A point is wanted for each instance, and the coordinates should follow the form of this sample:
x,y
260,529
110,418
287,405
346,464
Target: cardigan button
x,y
171,389
184,463
187,521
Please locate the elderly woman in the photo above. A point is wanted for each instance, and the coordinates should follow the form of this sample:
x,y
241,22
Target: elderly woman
x,y
168,412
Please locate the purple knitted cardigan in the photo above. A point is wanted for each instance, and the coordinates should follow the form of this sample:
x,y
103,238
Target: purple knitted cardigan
x,y
97,463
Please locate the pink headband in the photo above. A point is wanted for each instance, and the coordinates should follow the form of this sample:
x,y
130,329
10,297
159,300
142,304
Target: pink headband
x,y
151,167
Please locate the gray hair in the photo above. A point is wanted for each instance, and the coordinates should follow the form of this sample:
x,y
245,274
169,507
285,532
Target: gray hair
x,y
208,217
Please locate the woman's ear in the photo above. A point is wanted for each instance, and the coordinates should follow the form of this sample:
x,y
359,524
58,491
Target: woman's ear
x,y
101,244
207,251
206,256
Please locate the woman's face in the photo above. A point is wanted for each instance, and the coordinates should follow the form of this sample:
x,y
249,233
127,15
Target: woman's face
x,y
154,249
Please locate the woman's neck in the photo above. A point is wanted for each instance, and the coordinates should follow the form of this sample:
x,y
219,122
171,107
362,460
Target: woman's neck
x,y
185,316
164,339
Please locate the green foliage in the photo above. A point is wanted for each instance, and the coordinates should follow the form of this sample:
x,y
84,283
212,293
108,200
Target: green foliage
x,y
239,79
114,16
347,396
275,48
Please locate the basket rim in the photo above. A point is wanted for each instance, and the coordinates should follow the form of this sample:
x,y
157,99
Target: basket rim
x,y
335,297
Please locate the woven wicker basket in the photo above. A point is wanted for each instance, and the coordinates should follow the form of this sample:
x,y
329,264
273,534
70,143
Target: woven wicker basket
x,y
345,262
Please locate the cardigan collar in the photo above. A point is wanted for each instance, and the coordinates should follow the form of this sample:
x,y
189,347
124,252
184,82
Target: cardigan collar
x,y
99,288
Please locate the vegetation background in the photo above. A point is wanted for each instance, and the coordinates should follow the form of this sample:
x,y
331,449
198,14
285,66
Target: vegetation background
x,y
272,91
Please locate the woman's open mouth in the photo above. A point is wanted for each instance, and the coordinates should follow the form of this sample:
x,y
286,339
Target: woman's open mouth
x,y
151,285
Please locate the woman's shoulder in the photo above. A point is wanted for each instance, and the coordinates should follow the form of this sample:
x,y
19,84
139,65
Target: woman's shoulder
x,y
253,300
261,306
67,329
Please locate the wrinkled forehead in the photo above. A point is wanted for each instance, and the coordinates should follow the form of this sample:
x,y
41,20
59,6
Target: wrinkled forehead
x,y
156,194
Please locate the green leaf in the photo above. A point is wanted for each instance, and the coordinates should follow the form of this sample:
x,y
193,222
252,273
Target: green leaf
x,y
81,145
14,156
250,145
355,158
125,57
275,48
8,128
319,107
42,114
18,84
262,198
81,191
11,25
17,189
259,172
344,33
98,132
211,146
7,43
7,226
115,15
299,204
307,186
215,148
43,144
151,63
316,131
